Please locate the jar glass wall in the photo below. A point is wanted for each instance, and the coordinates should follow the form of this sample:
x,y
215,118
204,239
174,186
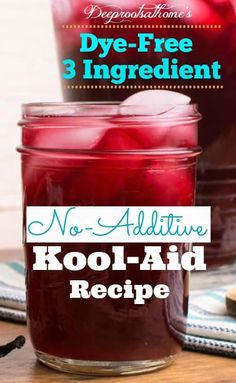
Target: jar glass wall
x,y
78,154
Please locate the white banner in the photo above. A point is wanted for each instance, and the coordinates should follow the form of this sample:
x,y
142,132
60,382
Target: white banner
x,y
119,224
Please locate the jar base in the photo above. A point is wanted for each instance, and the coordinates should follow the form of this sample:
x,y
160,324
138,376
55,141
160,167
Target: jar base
x,y
103,368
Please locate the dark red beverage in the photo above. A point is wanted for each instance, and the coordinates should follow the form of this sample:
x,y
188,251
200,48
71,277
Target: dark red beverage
x,y
212,28
90,155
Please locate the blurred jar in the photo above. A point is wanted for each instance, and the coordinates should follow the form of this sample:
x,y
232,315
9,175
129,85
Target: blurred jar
x,y
217,133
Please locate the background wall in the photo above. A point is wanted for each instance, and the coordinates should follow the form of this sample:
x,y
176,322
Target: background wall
x,y
28,72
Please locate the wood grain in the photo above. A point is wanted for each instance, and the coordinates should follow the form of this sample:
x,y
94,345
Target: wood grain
x,y
22,367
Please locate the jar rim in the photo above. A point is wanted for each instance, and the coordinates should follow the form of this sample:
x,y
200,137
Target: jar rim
x,y
102,154
108,109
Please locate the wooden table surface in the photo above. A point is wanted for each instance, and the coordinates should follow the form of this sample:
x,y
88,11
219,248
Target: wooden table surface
x,y
21,365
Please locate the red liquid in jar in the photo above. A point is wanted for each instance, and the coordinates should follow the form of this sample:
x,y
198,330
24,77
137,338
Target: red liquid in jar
x,y
106,329
217,133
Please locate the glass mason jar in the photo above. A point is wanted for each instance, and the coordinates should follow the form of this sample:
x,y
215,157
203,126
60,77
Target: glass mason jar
x,y
83,154
218,127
